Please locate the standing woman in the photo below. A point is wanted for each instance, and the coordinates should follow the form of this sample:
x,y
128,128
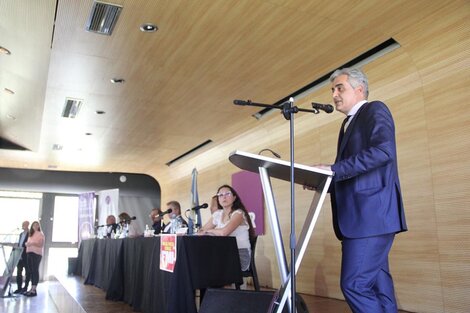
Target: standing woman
x,y
232,219
34,251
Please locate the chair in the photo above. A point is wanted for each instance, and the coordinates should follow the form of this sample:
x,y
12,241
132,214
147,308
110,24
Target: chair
x,y
251,271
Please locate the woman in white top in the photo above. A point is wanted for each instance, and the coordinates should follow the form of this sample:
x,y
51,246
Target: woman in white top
x,y
231,219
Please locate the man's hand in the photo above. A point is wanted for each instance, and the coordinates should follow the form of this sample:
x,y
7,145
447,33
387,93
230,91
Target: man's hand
x,y
323,166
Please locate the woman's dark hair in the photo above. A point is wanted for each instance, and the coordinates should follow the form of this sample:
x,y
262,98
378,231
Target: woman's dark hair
x,y
31,229
124,218
238,204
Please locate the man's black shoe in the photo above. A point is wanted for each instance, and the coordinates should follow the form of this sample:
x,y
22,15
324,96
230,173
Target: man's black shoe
x,y
18,291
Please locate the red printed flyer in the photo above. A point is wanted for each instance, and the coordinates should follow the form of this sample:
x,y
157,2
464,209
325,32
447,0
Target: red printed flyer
x,y
167,252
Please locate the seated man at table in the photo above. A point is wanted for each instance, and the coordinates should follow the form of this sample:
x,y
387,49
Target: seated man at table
x,y
176,220
111,226
156,216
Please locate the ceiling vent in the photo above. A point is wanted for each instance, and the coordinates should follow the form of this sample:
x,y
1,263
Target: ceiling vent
x,y
57,147
103,17
71,107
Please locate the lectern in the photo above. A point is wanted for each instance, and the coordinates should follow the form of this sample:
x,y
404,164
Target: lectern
x,y
9,267
317,178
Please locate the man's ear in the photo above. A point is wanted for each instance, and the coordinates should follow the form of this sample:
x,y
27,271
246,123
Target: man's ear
x,y
360,91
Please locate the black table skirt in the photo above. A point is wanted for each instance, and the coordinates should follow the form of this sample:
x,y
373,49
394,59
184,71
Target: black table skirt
x,y
129,270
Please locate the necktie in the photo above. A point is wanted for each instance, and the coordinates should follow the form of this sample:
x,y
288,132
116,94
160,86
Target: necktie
x,y
341,134
343,128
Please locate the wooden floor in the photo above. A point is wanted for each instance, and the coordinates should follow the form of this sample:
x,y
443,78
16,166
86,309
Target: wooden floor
x,y
92,300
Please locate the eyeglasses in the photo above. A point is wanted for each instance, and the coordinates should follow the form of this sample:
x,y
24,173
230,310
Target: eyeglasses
x,y
224,194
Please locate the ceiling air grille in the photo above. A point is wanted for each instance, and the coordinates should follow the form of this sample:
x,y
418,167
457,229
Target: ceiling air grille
x,y
71,107
103,17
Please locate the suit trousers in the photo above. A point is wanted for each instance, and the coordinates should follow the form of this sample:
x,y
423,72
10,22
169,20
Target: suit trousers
x,y
366,282
22,264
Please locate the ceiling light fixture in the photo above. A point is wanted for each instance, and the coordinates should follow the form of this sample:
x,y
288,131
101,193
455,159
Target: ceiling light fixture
x,y
148,28
118,80
88,134
9,91
4,50
99,112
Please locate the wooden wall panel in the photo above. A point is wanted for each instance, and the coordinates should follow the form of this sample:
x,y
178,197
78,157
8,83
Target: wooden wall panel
x,y
425,84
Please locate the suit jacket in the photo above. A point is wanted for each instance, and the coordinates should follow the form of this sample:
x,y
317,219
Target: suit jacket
x,y
23,254
365,195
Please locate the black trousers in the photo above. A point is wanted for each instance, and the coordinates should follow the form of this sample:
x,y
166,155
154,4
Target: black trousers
x,y
22,264
33,265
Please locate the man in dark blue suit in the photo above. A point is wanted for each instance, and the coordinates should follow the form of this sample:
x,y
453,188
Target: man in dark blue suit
x,y
22,263
365,194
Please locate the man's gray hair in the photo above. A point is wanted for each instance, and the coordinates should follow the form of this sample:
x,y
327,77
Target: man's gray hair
x,y
356,77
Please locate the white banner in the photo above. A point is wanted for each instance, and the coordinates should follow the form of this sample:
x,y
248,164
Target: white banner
x,y
107,204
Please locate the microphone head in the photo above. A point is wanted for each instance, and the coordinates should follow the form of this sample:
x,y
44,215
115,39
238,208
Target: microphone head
x,y
133,218
169,211
204,205
241,102
329,108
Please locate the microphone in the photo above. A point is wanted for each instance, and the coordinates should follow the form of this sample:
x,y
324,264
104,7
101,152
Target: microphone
x,y
129,219
202,206
328,108
241,102
166,212
106,225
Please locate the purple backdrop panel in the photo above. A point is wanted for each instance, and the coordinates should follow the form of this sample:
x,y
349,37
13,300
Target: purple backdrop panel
x,y
248,186
85,216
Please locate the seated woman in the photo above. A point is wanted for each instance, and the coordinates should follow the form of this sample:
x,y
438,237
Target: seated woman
x,y
126,225
231,220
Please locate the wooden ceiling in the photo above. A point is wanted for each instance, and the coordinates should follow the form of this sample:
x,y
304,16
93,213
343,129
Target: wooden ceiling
x,y
180,81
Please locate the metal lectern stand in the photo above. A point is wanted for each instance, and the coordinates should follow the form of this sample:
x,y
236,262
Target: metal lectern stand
x,y
317,178
10,265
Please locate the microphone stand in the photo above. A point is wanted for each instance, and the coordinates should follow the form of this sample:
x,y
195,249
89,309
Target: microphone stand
x,y
288,110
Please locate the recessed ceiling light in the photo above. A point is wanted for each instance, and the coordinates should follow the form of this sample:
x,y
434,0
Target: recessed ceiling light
x,y
117,80
11,92
148,28
4,50
100,112
88,134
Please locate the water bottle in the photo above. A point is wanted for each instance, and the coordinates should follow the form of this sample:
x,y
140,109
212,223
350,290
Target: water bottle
x,y
190,226
173,223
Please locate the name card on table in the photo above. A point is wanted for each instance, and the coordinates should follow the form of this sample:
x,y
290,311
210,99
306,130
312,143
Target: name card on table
x,y
167,252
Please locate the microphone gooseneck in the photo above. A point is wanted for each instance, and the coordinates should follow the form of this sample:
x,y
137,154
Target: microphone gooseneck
x,y
274,153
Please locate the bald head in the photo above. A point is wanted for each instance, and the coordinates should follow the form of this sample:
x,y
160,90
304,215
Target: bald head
x,y
25,226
